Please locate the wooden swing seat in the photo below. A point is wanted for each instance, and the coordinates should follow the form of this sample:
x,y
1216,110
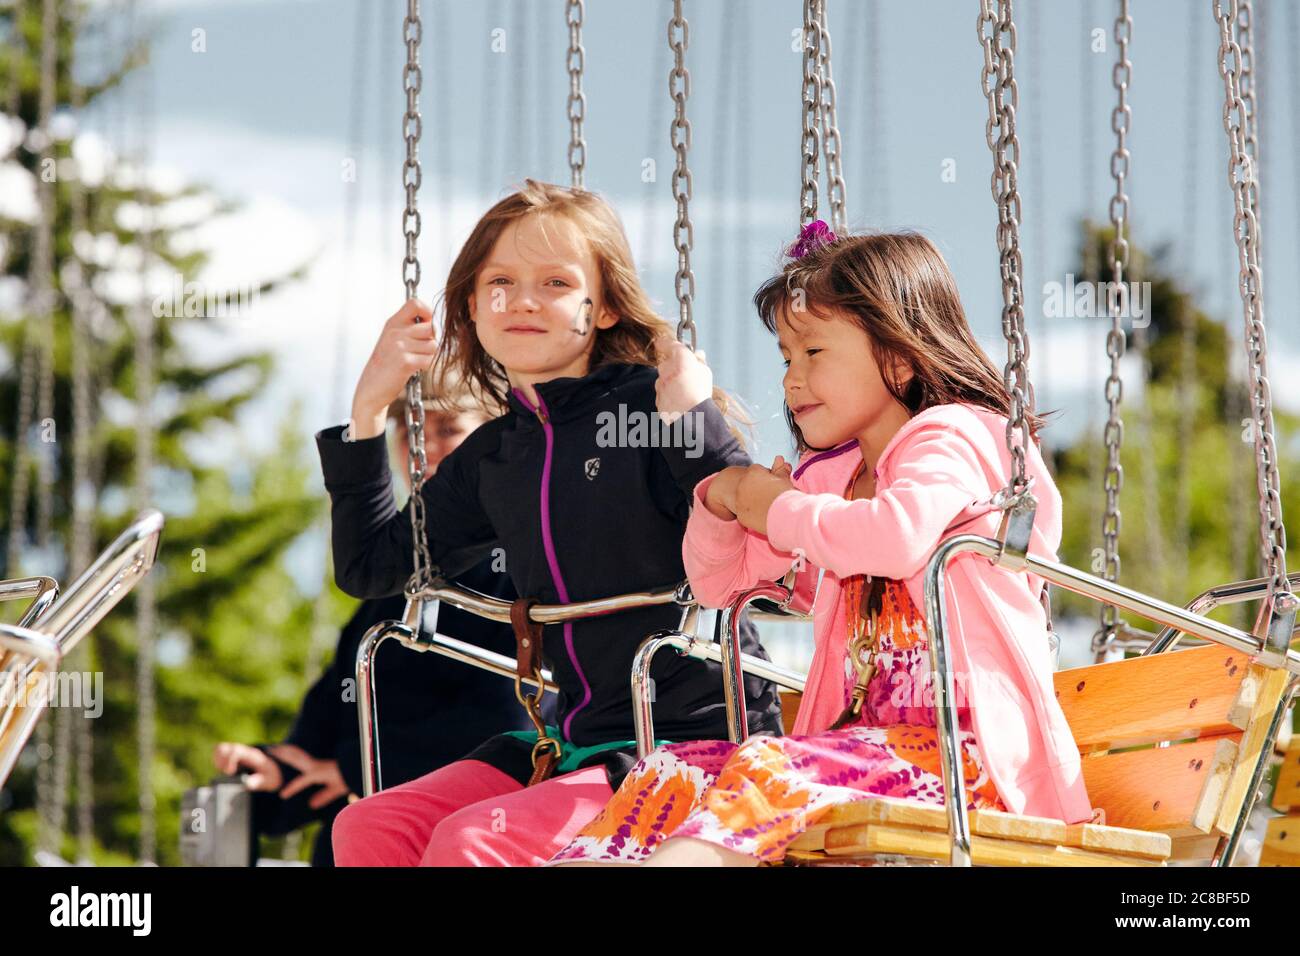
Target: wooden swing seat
x,y
1168,744
1282,839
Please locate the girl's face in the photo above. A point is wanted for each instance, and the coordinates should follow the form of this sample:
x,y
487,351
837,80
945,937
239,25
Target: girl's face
x,y
442,434
528,303
833,386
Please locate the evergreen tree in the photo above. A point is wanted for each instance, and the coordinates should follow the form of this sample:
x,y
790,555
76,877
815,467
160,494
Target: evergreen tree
x,y
232,626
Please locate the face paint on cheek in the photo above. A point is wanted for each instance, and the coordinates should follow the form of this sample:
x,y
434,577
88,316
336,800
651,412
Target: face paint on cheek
x,y
582,321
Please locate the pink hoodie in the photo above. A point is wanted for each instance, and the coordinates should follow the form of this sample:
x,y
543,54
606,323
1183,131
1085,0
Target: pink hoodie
x,y
933,480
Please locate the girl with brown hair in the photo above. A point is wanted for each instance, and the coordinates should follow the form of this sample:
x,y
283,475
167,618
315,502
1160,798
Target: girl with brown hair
x,y
899,419
546,323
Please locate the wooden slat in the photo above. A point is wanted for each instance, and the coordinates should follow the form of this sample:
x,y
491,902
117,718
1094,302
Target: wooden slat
x,y
1172,696
985,851
1264,686
1286,795
1281,842
1120,840
894,812
1199,848
1175,790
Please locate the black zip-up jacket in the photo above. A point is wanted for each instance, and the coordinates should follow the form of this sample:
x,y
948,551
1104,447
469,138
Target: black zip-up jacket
x,y
574,517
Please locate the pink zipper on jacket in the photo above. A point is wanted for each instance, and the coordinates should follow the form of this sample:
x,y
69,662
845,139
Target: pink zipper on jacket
x,y
548,543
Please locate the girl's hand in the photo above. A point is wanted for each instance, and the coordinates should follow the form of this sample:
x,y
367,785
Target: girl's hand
x,y
229,757
312,772
684,380
756,491
720,499
406,346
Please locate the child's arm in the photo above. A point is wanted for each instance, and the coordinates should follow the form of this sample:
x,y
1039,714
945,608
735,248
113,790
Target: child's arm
x,y
372,540
722,556
893,534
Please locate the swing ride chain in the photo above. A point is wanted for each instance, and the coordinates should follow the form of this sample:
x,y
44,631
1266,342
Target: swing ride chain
x,y
576,63
1246,83
999,85
1116,341
812,99
830,128
1243,178
421,577
679,86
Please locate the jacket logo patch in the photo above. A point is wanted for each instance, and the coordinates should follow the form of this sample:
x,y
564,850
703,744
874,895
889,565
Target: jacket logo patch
x,y
591,468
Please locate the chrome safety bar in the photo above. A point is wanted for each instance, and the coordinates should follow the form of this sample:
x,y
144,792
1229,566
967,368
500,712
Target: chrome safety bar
x,y
687,646
1174,619
1098,589
1237,592
55,623
494,609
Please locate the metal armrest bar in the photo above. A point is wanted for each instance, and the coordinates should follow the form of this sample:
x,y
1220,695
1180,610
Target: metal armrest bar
x,y
1088,585
42,590
367,697
1236,593
494,609
688,646
67,618
105,582
30,643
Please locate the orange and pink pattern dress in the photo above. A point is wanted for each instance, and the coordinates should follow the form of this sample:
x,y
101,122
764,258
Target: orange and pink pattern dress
x,y
758,797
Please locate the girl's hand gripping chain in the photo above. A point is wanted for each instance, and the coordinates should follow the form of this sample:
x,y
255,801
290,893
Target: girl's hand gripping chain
x,y
685,380
406,346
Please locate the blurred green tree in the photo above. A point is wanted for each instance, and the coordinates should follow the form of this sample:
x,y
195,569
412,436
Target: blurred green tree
x,y
233,627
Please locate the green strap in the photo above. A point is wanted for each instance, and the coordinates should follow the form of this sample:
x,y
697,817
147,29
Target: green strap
x,y
573,756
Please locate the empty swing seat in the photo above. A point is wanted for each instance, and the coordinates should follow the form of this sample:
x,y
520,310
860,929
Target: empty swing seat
x,y
1168,745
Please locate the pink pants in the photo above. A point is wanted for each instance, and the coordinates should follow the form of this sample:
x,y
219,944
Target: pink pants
x,y
468,813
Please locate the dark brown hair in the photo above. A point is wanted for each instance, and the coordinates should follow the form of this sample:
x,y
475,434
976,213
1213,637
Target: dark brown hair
x,y
635,339
898,289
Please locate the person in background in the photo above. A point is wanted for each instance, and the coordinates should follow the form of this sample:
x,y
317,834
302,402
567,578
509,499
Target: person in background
x,y
434,710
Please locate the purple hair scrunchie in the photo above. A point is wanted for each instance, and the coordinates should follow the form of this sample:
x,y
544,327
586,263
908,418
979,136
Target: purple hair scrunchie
x,y
813,236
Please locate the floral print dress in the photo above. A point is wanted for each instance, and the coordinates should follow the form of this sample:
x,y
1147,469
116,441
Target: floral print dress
x,y
757,797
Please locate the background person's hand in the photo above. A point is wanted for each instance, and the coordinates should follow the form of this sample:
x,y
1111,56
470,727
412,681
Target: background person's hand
x,y
685,380
312,771
406,346
230,757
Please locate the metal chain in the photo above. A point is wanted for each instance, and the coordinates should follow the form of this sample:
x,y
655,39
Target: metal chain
x,y
573,11
1246,83
1187,391
1243,179
13,95
1113,479
41,301
146,610
20,490
679,87
836,192
812,98
996,29
422,574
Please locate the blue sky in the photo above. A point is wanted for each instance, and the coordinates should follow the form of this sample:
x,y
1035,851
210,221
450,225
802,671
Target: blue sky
x,y
264,116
